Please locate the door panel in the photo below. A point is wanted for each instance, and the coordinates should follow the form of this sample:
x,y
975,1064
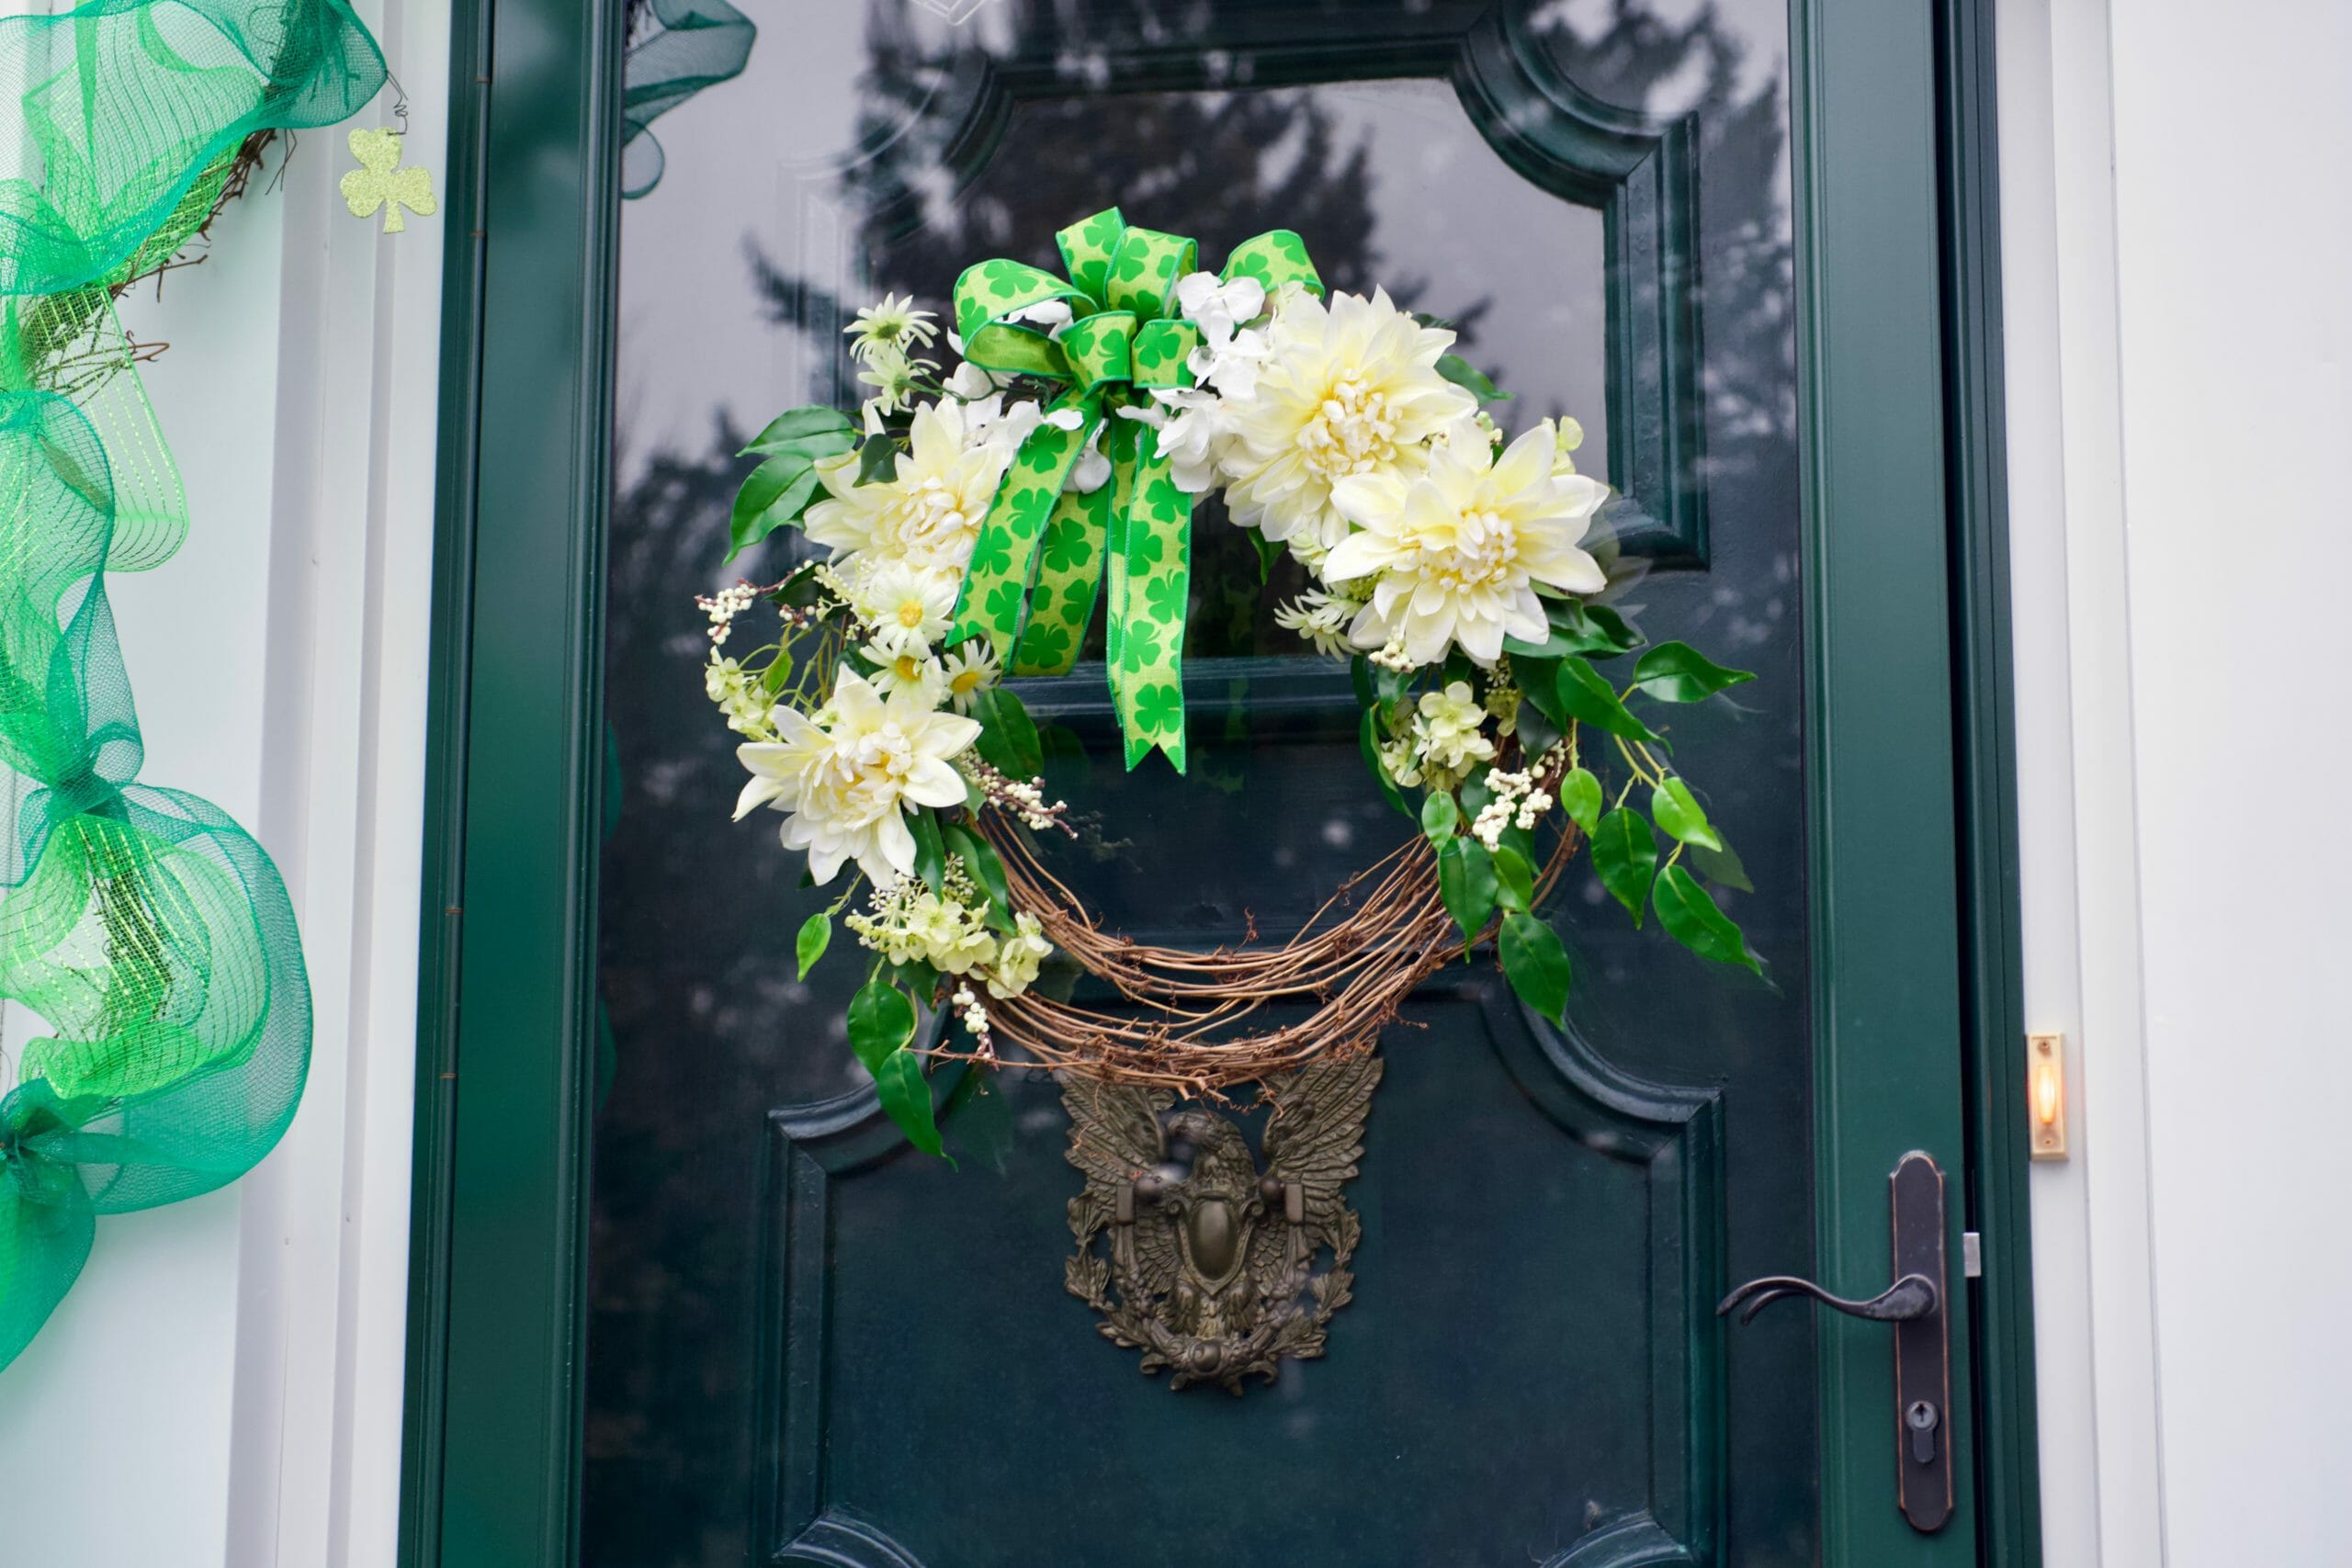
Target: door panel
x,y
1546,1214
1533,1223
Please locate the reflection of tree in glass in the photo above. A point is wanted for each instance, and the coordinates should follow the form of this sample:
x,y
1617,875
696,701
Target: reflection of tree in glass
x,y
1220,166
710,1031
1749,368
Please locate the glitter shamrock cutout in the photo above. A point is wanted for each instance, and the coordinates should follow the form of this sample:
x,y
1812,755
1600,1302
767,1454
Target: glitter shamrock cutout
x,y
379,181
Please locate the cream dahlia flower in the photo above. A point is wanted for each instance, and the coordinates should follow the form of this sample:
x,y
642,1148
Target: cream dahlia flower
x,y
1455,555
1345,390
846,775
928,514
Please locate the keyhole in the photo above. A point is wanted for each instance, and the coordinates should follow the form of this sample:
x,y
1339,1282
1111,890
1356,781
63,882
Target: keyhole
x,y
1921,1418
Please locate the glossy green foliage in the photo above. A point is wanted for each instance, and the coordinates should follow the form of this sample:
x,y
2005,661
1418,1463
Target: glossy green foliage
x,y
1624,854
1691,916
1009,739
1677,673
779,490
816,934
1535,964
881,1027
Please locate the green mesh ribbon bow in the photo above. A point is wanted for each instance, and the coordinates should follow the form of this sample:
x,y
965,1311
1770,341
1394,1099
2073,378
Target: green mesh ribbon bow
x,y
146,929
1042,553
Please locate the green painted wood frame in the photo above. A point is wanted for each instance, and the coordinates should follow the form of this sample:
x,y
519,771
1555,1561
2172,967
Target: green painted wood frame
x,y
1905,528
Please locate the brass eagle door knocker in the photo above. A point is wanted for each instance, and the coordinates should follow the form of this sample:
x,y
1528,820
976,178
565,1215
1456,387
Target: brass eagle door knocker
x,y
1209,1267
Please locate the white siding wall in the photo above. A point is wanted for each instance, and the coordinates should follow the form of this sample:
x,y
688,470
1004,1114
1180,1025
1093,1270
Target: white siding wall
x,y
2175,215
222,1387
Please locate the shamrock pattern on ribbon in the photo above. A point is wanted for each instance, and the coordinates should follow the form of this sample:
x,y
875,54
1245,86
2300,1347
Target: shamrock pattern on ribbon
x,y
1045,552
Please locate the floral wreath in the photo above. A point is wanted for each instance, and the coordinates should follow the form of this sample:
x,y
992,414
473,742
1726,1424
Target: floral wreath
x,y
973,522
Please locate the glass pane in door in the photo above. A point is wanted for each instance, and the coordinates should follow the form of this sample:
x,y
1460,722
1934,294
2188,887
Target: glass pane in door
x,y
801,1332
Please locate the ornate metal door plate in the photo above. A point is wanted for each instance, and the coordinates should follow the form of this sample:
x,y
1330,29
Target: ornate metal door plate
x,y
1209,1264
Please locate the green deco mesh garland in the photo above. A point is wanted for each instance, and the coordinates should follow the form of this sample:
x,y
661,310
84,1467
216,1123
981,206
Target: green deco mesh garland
x,y
148,930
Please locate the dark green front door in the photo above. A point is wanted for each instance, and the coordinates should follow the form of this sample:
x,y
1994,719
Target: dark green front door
x,y
685,1299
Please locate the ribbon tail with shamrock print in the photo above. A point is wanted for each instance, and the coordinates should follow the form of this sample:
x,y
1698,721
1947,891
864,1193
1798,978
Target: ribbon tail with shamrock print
x,y
1044,551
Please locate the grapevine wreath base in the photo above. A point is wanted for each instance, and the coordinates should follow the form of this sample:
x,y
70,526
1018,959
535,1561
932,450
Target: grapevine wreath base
x,y
1357,958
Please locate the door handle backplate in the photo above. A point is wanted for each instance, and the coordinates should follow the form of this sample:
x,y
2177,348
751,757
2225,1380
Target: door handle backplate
x,y
1917,1304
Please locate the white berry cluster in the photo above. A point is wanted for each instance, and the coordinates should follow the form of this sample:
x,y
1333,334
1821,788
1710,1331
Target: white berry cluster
x,y
1516,800
723,607
1025,798
975,1015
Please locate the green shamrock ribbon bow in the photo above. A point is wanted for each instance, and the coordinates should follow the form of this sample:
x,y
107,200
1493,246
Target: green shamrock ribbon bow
x,y
1044,550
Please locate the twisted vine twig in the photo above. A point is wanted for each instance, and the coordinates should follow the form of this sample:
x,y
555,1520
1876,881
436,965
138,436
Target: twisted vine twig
x,y
1192,1026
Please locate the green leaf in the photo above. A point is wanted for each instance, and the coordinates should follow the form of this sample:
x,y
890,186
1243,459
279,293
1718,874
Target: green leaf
x,y
881,1020
1690,916
1468,377
1676,810
1474,796
1270,554
1008,736
1539,683
1535,964
1466,879
1521,650
1609,629
1538,731
813,423
776,492
1581,798
1594,630
1441,818
980,1123
1587,696
1368,733
829,443
906,1097
930,854
815,935
915,976
1677,673
1514,879
877,459
979,857
1721,865
1624,854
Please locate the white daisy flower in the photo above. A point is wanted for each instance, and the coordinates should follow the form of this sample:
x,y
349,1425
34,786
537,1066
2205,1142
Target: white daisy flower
x,y
892,327
971,669
1320,619
914,676
907,608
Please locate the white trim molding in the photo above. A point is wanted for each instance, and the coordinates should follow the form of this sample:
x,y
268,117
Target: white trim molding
x,y
315,1453
2095,1320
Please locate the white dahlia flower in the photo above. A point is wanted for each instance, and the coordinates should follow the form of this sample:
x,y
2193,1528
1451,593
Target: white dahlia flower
x,y
1345,390
1455,554
846,776
927,515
